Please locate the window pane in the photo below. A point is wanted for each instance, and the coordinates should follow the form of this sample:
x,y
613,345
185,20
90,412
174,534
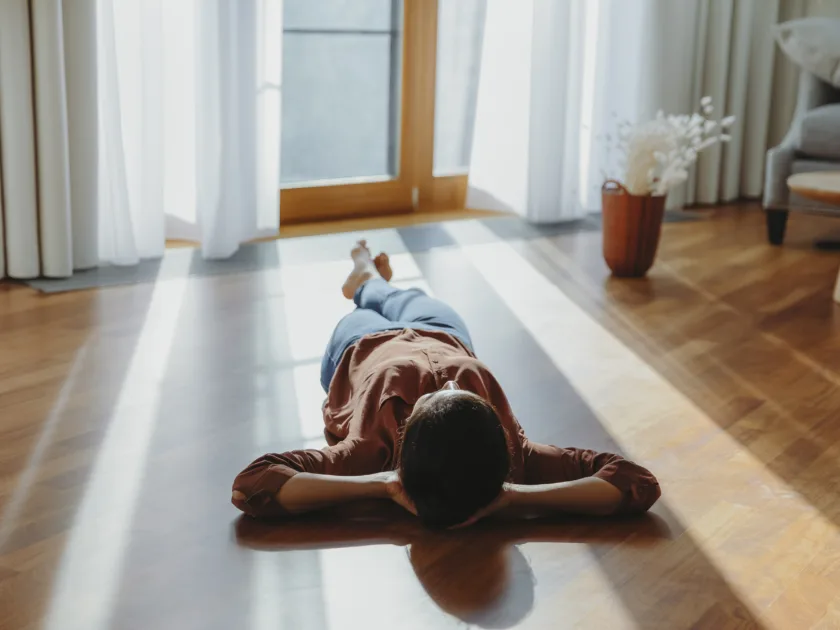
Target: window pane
x,y
336,107
460,34
341,84
337,14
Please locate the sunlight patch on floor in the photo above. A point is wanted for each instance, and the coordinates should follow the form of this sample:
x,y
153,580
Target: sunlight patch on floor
x,y
267,590
369,563
389,569
88,577
284,411
310,301
306,302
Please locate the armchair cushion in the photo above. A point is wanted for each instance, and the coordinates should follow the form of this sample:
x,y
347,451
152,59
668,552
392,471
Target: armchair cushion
x,y
820,133
814,45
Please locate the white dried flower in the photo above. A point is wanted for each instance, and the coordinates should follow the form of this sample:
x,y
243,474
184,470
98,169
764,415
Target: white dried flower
x,y
656,155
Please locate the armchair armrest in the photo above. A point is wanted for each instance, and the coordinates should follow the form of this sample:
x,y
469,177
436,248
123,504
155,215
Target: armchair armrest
x,y
813,92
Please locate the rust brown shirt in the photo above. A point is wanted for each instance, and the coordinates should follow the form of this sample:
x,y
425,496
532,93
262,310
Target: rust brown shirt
x,y
372,394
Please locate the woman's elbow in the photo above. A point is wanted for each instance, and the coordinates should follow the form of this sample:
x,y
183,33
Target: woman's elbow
x,y
641,499
255,489
240,501
261,504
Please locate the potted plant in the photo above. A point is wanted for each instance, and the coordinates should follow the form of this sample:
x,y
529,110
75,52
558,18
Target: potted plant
x,y
656,155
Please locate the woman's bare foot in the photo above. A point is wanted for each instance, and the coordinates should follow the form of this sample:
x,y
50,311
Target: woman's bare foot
x,y
363,270
383,266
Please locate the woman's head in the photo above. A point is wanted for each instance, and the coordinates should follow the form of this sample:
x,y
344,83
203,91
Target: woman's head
x,y
454,456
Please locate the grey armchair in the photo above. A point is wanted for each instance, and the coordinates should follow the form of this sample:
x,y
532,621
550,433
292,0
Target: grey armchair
x,y
811,144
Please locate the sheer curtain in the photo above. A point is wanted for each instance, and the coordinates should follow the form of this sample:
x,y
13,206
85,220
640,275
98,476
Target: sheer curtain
x,y
675,53
189,125
557,77
124,123
526,142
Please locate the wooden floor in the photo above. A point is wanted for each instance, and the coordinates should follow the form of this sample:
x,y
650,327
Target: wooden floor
x,y
126,412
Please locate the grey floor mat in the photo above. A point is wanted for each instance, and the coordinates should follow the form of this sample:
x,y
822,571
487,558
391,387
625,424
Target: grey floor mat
x,y
295,251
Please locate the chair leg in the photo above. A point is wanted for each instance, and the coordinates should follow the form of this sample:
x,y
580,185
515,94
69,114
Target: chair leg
x,y
776,224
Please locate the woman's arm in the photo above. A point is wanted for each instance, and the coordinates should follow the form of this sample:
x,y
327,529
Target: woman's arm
x,y
335,474
588,496
257,489
566,469
306,491
591,496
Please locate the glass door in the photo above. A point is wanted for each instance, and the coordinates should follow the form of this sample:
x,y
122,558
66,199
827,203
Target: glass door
x,y
360,87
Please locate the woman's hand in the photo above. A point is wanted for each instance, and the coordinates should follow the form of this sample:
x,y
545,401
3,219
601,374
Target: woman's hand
x,y
396,492
498,504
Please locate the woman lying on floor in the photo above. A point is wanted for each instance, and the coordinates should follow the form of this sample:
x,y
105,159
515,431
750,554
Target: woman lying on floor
x,y
412,416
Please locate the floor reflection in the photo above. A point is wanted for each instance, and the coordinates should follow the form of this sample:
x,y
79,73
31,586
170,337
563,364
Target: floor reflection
x,y
488,583
477,575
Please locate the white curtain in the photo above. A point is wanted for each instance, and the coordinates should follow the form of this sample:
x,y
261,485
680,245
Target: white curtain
x,y
556,78
189,124
526,142
725,49
124,123
460,33
47,137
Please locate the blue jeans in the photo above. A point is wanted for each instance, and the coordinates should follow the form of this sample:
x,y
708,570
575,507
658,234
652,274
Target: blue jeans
x,y
383,307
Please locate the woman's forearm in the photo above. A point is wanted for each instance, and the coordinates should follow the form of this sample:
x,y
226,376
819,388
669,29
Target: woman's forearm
x,y
306,491
590,495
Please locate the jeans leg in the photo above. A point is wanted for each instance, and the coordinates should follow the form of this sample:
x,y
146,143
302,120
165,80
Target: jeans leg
x,y
411,306
374,295
349,330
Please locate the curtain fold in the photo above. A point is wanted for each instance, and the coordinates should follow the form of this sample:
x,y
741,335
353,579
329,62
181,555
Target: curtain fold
x,y
526,144
190,124
51,139
550,98
47,137
237,133
718,48
80,68
736,60
17,142
124,123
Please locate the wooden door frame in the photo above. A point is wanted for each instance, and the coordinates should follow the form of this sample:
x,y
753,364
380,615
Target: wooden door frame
x,y
415,189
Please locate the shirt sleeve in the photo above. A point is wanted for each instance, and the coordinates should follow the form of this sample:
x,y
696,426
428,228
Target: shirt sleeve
x,y
551,464
262,479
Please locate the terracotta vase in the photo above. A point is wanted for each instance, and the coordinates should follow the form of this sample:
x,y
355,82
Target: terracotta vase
x,y
632,224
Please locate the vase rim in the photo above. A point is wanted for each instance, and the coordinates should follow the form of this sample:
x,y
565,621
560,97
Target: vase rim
x,y
611,191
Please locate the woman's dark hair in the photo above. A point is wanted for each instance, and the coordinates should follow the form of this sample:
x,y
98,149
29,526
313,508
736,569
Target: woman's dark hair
x,y
454,458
